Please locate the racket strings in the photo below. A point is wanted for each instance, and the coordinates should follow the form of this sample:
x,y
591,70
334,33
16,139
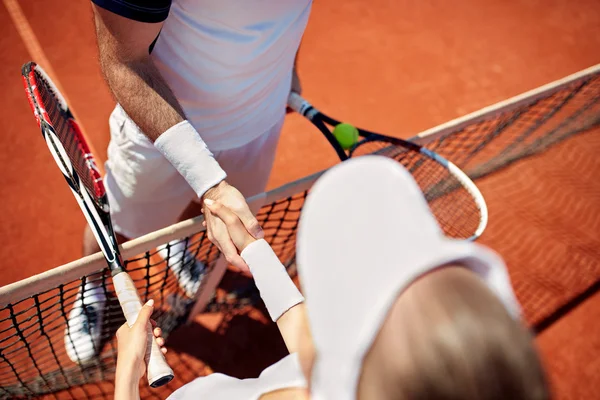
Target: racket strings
x,y
450,202
60,120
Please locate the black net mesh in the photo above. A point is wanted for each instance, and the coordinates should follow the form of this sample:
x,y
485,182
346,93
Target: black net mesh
x,y
33,356
32,331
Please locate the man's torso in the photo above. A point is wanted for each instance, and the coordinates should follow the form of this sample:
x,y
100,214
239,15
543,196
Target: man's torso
x,y
229,62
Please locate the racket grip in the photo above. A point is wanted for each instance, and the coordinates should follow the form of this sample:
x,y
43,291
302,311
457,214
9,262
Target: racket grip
x,y
159,372
298,104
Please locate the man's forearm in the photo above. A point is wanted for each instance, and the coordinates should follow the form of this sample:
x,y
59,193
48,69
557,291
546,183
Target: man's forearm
x,y
144,95
150,103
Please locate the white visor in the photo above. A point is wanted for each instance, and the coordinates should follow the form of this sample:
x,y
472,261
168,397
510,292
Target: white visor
x,y
365,233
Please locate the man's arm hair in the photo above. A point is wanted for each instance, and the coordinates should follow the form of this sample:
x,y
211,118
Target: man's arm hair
x,y
132,76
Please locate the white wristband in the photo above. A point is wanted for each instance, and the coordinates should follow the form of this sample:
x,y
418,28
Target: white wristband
x,y
184,148
272,280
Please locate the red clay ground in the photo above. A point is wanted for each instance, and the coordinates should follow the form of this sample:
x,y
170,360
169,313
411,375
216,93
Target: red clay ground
x,y
393,66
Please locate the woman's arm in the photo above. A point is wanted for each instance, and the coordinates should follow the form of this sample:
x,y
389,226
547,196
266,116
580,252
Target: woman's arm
x,y
126,385
293,325
279,293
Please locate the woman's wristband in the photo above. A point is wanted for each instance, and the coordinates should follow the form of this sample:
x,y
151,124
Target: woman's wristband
x,y
184,148
271,278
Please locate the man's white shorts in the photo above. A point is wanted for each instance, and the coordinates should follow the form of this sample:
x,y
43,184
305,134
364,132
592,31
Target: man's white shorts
x,y
147,193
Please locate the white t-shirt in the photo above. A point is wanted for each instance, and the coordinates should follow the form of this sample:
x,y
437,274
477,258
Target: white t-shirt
x,y
229,63
285,373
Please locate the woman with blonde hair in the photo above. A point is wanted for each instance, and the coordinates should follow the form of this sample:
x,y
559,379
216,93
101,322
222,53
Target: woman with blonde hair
x,y
392,310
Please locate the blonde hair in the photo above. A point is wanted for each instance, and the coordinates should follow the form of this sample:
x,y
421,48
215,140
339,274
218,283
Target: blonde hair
x,y
448,337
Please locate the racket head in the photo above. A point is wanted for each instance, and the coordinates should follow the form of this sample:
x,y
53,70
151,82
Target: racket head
x,y
453,197
60,128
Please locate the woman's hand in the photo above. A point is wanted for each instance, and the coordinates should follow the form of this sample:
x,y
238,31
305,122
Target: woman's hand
x,y
132,343
237,231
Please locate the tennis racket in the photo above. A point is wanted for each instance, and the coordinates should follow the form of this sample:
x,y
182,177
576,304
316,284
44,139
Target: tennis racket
x,y
74,159
453,197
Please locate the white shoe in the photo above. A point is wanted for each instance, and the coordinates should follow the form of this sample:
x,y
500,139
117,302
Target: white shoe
x,y
84,329
188,270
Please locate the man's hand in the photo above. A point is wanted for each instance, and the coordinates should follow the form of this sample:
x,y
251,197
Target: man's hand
x,y
237,231
217,231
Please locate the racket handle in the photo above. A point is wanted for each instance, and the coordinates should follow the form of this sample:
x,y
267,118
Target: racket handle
x,y
159,372
298,104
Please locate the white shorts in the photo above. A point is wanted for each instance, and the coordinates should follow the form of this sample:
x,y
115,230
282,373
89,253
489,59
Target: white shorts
x,y
147,193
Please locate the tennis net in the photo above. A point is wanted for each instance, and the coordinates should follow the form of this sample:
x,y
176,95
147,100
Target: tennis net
x,y
33,312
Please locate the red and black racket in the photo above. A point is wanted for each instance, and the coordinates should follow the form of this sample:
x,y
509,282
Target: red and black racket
x,y
453,197
71,152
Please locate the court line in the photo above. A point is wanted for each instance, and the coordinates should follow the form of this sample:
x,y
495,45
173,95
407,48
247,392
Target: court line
x,y
37,54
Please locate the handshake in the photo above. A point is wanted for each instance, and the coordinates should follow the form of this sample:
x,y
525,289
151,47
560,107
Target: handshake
x,y
229,223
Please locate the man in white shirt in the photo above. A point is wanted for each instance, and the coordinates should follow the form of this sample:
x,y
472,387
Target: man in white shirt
x,y
201,87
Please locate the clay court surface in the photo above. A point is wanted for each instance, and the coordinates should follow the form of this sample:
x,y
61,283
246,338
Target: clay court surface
x,y
398,67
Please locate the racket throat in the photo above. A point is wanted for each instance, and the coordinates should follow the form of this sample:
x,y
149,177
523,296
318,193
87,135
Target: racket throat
x,y
116,266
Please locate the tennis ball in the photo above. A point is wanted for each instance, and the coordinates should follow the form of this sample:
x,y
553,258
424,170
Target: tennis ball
x,y
346,135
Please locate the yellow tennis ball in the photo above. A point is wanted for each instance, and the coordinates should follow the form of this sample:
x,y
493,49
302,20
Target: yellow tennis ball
x,y
346,135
